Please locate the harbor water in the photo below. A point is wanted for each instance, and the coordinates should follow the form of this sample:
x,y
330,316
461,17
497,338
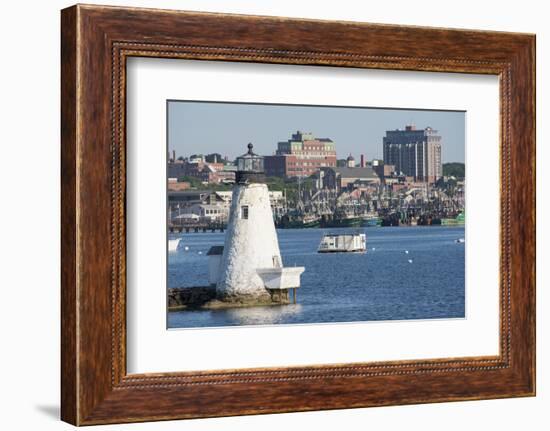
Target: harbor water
x,y
406,273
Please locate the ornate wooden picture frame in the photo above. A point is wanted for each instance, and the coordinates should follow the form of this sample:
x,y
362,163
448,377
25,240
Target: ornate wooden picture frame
x,y
96,42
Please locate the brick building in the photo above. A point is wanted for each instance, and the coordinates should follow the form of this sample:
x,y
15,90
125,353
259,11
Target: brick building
x,y
301,156
175,185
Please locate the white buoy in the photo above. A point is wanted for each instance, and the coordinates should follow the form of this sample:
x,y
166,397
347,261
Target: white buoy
x,y
410,261
374,248
186,248
406,251
200,252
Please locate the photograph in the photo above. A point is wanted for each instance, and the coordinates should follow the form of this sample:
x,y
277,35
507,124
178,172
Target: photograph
x,y
305,214
282,214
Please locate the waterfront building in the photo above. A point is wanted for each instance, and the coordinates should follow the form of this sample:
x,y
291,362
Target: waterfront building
x,y
301,156
181,202
276,198
185,218
382,169
415,153
228,167
207,212
344,178
212,204
188,197
208,173
251,265
176,169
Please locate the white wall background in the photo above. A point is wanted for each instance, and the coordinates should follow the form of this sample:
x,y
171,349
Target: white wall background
x,y
29,220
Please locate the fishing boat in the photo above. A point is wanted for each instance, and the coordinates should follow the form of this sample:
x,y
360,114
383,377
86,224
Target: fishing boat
x,y
372,221
459,220
299,223
347,221
311,221
343,243
307,221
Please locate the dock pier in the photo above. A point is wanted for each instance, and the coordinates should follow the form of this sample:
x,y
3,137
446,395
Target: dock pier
x,y
196,227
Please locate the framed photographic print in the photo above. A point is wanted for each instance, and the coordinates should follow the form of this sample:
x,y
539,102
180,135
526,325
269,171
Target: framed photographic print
x,y
267,215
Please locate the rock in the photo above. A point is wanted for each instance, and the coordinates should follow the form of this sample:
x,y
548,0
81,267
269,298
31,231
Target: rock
x,y
204,297
190,297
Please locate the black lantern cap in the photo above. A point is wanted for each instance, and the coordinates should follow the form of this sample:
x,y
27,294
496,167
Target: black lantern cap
x,y
250,167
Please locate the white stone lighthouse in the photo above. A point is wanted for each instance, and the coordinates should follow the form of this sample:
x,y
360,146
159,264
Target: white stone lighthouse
x,y
251,247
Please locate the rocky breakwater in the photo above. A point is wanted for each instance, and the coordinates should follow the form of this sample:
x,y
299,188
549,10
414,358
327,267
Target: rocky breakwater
x,y
204,298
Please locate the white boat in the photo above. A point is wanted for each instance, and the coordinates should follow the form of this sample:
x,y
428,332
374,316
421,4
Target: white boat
x,y
343,242
173,244
460,241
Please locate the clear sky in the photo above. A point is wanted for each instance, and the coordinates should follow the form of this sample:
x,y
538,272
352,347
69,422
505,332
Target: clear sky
x,y
226,128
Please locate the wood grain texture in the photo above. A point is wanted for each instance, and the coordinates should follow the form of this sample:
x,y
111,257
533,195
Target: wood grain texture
x,y
69,370
96,41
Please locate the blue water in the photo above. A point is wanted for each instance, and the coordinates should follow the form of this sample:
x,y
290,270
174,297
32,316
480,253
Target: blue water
x,y
380,284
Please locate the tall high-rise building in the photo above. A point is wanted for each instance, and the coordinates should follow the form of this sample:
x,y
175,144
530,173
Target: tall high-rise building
x,y
301,156
415,153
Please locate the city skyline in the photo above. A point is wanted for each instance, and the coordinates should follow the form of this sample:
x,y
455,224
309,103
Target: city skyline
x,y
354,130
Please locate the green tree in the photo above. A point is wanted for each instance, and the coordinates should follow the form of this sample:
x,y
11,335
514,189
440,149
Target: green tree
x,y
195,182
214,157
454,170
